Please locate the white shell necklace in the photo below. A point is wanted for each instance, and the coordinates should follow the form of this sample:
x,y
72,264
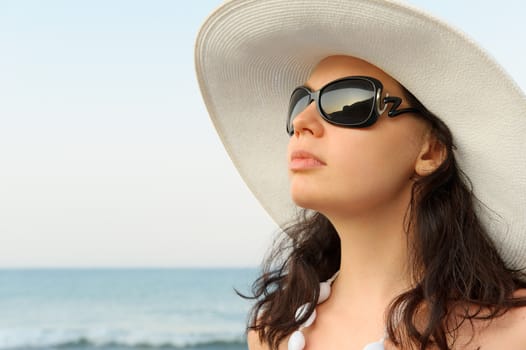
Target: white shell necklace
x,y
297,339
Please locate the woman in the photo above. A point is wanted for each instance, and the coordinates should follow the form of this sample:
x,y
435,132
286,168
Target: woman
x,y
405,172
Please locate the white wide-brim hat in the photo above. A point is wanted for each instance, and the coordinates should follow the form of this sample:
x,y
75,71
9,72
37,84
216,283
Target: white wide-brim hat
x,y
251,54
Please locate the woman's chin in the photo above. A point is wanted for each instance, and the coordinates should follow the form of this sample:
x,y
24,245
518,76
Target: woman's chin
x,y
305,200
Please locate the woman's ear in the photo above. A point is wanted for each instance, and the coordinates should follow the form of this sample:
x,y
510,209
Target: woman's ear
x,y
431,156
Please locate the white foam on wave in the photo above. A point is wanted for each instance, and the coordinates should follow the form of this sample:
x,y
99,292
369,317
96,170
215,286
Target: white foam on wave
x,y
47,337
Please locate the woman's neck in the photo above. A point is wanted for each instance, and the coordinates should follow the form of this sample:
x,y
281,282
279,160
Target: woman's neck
x,y
374,266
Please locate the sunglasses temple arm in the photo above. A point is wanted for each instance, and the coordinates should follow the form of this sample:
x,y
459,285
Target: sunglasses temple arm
x,y
396,101
379,110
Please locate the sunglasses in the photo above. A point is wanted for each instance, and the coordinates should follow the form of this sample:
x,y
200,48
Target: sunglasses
x,y
350,102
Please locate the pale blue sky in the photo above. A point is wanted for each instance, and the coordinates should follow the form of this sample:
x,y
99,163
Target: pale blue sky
x,y
107,156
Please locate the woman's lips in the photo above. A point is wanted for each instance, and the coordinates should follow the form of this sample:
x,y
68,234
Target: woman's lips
x,y
304,160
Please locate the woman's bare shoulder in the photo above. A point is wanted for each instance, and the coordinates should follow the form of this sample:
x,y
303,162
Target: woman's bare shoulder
x,y
518,322
254,343
507,331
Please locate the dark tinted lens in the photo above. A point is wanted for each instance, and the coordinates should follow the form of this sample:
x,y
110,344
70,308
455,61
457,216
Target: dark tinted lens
x,y
299,100
348,102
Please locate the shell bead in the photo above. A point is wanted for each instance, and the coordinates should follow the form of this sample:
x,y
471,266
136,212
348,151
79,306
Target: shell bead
x,y
300,312
325,291
296,341
310,320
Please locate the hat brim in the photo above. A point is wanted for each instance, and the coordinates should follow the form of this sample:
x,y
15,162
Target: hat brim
x,y
250,54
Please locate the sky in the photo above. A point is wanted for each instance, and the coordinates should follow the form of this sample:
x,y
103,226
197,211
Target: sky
x,y
107,154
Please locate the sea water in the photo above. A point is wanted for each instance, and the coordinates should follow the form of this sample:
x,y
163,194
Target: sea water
x,y
124,309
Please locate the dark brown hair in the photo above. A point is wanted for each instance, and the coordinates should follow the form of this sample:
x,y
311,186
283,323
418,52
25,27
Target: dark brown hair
x,y
453,260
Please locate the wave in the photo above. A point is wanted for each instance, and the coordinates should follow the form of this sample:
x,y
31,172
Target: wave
x,y
223,343
42,339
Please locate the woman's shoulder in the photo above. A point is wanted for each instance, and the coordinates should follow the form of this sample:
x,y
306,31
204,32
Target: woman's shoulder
x,y
504,332
255,343
514,324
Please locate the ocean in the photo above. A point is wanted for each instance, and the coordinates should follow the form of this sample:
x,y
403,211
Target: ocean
x,y
124,309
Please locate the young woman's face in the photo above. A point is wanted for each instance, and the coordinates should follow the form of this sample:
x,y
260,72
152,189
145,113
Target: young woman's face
x,y
364,168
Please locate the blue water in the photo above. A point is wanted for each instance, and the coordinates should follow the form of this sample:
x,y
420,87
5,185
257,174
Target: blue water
x,y
117,309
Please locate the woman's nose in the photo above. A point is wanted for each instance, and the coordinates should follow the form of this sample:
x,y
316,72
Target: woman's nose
x,y
308,121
